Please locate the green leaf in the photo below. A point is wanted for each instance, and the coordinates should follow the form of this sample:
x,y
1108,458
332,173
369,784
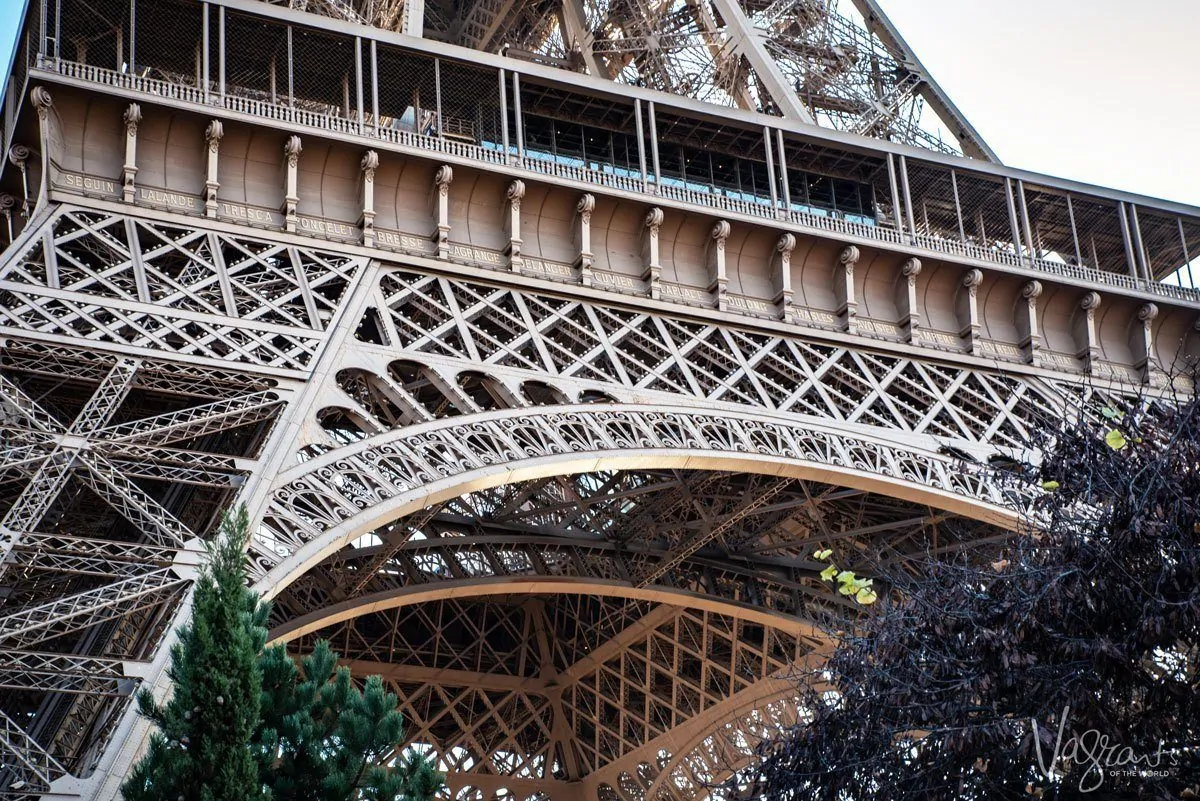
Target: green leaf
x,y
845,576
829,572
823,555
1115,439
1050,486
1111,413
866,596
847,589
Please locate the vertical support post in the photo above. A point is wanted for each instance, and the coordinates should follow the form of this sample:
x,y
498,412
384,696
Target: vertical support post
x,y
437,91
718,279
369,163
1074,231
212,135
908,204
518,118
897,209
43,20
1187,260
291,154
771,168
504,114
1083,330
1012,217
781,276
962,229
785,191
1129,258
1142,341
906,300
641,139
441,187
1139,245
1033,253
207,45
1027,321
132,116
58,31
358,81
843,288
221,49
132,37
652,266
512,198
375,84
654,144
966,308
291,55
583,222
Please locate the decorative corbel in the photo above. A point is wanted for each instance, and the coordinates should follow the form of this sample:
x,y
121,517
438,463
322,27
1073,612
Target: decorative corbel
x,y
44,104
781,276
1141,340
843,287
966,308
583,232
291,153
1027,322
718,280
132,116
906,299
652,266
7,204
369,163
512,198
1083,329
212,135
18,156
441,199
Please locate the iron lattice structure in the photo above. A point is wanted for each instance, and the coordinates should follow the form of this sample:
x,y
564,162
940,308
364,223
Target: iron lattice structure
x,y
841,65
544,342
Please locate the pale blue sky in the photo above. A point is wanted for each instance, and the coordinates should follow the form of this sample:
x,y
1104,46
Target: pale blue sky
x,y
1102,91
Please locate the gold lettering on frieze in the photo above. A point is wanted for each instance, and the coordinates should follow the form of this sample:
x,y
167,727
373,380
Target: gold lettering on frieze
x,y
88,184
313,225
396,240
685,293
489,257
999,349
161,197
939,338
812,316
749,304
613,279
238,211
549,267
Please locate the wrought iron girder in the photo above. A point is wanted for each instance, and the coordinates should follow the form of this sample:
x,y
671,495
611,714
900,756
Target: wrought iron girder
x,y
45,621
67,554
107,481
31,768
220,415
64,673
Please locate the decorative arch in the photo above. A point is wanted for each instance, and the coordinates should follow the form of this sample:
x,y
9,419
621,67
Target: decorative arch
x,y
327,501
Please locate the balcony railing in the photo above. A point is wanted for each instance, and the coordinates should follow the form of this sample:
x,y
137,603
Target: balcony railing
x,y
717,203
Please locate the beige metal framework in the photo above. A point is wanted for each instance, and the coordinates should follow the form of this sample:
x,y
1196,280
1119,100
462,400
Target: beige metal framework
x,y
541,375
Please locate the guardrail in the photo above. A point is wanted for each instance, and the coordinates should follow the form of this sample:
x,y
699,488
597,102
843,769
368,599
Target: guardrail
x,y
234,100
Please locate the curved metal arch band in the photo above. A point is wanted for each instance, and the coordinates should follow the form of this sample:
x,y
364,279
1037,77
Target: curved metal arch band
x,y
540,585
329,501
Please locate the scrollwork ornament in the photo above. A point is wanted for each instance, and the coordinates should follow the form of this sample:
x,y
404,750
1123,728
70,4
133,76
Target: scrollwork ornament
x,y
292,149
369,164
132,117
586,204
516,191
1090,301
849,256
1032,290
213,134
1147,312
786,243
654,218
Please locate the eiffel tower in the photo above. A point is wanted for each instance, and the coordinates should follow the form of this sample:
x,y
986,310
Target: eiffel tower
x,y
544,339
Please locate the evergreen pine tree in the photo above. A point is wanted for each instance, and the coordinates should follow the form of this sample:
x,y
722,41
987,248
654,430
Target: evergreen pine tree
x,y
200,751
322,739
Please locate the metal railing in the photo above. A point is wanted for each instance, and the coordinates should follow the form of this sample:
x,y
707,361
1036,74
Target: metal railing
x,y
243,102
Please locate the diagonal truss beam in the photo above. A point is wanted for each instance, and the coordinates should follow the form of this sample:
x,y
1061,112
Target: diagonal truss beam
x,y
30,767
220,415
66,673
27,627
749,42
